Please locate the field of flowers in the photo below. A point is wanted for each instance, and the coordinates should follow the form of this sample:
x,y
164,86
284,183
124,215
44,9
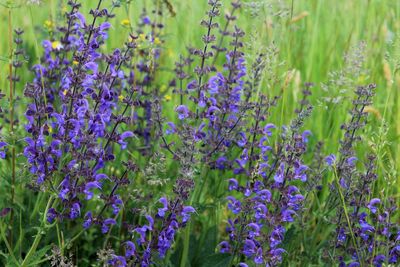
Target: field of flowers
x,y
209,133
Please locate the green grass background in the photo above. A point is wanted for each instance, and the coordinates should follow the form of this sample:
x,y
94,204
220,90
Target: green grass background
x,y
311,38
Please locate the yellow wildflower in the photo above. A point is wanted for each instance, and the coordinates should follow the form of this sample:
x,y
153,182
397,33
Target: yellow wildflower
x,y
167,98
56,45
48,24
75,62
121,98
125,22
157,41
142,37
65,92
50,129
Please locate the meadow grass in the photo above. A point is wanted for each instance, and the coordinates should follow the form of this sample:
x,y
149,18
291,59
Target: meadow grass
x,y
311,40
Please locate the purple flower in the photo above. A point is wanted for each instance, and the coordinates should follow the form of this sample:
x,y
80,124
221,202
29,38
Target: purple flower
x,y
2,150
224,247
122,138
242,141
51,215
146,20
129,249
277,235
249,248
183,112
164,209
212,113
260,211
117,261
372,205
75,211
187,210
253,230
234,205
330,160
279,175
305,136
216,82
89,186
267,129
379,259
88,220
192,85
233,184
351,161
106,225
287,215
171,128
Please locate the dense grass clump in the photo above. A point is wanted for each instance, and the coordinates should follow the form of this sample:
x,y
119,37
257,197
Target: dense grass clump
x,y
132,136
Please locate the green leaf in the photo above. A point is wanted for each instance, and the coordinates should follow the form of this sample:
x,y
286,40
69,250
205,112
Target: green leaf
x,y
39,256
217,260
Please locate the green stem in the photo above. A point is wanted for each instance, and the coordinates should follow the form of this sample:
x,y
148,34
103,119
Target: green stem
x,y
38,237
8,245
347,217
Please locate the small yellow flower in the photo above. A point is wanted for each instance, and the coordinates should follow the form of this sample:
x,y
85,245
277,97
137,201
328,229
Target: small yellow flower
x,y
167,98
157,41
75,62
125,22
121,98
50,129
65,92
48,24
56,45
142,37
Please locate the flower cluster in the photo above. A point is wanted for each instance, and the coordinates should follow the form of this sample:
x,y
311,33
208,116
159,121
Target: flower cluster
x,y
158,234
365,233
79,112
271,198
